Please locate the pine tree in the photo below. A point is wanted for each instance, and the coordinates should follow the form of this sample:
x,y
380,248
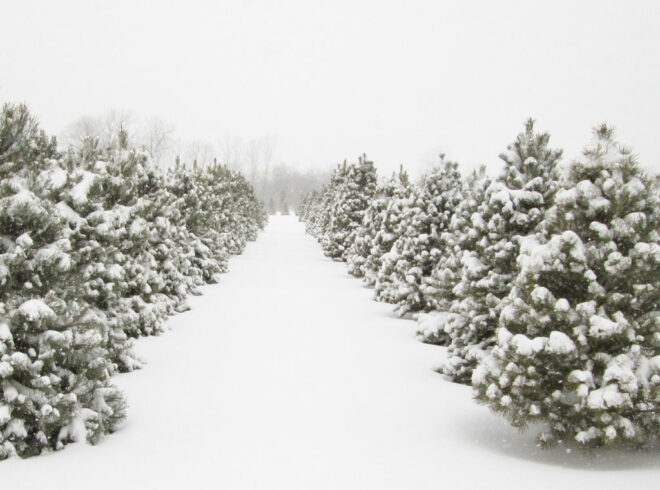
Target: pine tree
x,y
511,209
352,193
579,335
54,368
413,254
115,242
322,216
366,236
24,147
96,246
391,227
460,235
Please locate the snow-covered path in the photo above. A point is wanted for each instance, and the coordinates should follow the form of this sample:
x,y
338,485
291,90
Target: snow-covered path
x,y
288,376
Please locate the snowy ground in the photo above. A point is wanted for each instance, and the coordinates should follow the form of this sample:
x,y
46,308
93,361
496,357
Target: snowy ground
x,y
288,376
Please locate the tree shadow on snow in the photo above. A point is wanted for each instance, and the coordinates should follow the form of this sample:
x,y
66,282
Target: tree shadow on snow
x,y
495,434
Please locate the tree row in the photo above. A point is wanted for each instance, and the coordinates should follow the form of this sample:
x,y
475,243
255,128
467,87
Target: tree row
x,y
97,246
543,282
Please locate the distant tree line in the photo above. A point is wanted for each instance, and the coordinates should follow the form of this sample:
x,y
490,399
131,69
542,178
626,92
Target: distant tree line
x,y
279,186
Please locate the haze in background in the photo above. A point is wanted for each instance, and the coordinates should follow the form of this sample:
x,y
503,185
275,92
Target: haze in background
x,y
399,80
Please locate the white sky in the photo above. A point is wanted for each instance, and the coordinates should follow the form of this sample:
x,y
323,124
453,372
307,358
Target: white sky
x,y
399,80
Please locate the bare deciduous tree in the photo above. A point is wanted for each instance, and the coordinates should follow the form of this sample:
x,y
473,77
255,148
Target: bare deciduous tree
x,y
252,159
231,149
81,130
267,144
198,152
157,137
115,122
104,129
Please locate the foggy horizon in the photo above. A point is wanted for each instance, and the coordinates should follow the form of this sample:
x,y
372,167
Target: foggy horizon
x,y
330,81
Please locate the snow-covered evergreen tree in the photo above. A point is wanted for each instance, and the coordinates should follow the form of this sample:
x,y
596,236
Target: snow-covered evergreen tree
x,y
319,216
375,214
414,253
96,246
110,189
511,209
23,145
459,236
579,335
391,227
54,371
307,205
351,197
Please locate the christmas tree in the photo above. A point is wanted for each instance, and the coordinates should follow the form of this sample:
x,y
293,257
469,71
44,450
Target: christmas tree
x,y
511,210
579,335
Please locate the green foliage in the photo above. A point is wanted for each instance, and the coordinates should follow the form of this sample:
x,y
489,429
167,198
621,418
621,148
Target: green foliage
x,y
511,209
578,337
544,283
367,236
406,267
335,215
96,246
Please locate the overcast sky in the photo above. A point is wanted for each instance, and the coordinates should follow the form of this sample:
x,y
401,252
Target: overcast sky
x,y
399,80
